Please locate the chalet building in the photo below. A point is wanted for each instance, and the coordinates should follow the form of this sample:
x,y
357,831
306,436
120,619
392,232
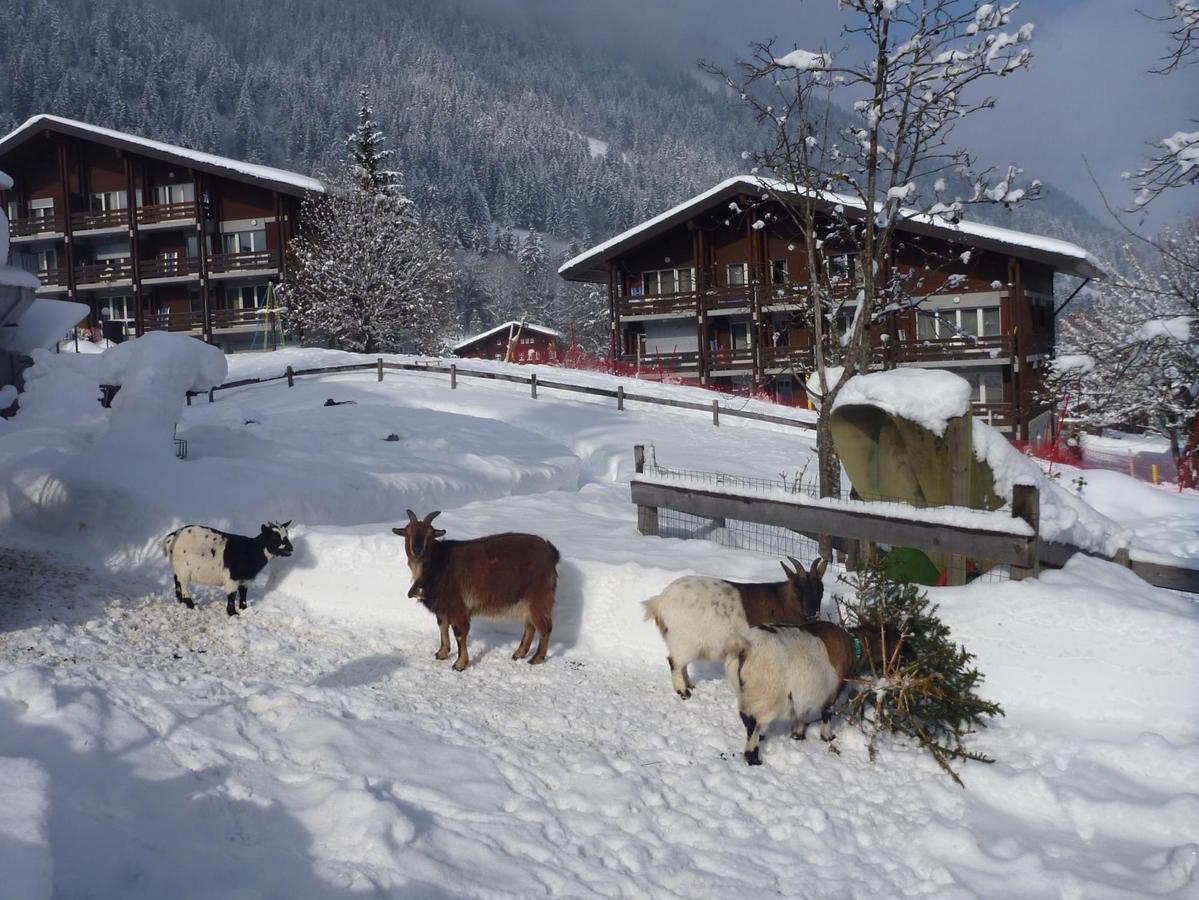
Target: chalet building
x,y
149,236
716,289
530,343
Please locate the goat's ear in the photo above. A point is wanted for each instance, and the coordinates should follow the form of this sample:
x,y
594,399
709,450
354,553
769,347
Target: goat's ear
x,y
266,529
411,515
790,574
438,532
402,532
431,516
818,567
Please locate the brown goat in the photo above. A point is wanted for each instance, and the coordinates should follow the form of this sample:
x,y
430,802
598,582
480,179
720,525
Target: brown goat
x,y
501,576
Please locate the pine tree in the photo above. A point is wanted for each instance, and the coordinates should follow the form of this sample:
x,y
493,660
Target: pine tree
x,y
925,689
367,155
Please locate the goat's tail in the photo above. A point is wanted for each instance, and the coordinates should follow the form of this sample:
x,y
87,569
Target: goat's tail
x,y
167,543
735,653
653,609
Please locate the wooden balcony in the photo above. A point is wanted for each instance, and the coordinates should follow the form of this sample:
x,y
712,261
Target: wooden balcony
x,y
183,213
997,347
162,267
55,276
173,321
103,272
236,318
730,359
101,219
672,362
999,415
782,359
259,260
656,305
33,226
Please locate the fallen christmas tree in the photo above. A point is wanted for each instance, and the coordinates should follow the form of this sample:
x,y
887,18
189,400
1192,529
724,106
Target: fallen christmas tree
x,y
925,687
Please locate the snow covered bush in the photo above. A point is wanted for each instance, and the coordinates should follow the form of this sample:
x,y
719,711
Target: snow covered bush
x,y
926,686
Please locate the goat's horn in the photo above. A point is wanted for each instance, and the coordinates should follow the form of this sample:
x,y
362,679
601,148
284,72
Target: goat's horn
x,y
411,515
796,563
431,516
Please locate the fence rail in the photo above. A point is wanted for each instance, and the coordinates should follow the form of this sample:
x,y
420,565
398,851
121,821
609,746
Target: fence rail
x,y
620,395
890,523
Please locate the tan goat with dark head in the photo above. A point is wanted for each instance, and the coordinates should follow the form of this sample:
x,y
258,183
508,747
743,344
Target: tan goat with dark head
x,y
501,576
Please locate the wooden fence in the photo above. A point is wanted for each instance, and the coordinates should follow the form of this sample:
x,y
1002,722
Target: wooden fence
x,y
535,383
1001,540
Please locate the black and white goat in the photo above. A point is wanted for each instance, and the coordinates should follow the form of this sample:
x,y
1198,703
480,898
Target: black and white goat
x,y
217,559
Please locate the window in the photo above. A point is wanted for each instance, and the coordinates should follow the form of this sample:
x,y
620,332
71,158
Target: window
x,y
991,325
42,208
738,274
668,281
740,335
926,325
778,271
14,210
169,262
121,309
840,268
947,324
246,296
46,259
244,241
106,201
968,322
174,193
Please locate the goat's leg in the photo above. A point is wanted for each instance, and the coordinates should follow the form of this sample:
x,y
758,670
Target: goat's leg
x,y
826,722
526,641
461,632
545,624
443,624
753,736
183,590
231,605
678,678
799,728
241,596
178,590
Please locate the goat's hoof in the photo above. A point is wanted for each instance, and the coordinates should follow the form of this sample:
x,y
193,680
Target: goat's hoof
x,y
442,654
459,666
536,660
753,757
241,605
684,695
519,655
829,739
798,736
189,604
231,611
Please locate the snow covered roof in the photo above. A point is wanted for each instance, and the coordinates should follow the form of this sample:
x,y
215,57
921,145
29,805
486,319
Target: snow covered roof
x,y
540,329
277,179
1062,255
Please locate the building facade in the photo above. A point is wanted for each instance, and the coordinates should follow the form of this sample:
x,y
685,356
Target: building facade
x,y
149,236
716,289
515,341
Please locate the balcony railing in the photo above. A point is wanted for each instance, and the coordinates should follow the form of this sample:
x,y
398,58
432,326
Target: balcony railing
x,y
53,276
241,262
173,321
999,415
107,218
110,270
731,359
655,304
997,347
182,212
799,358
28,226
233,318
668,361
163,267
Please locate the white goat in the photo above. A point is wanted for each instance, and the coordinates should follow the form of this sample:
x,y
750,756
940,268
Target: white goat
x,y
218,559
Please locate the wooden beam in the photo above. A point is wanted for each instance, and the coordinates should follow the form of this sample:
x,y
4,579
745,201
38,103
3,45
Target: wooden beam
x,y
850,523
134,247
202,252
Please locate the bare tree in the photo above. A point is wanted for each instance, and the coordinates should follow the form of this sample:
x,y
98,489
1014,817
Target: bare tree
x,y
910,70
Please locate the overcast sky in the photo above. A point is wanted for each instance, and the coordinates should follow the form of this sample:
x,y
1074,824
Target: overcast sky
x,y
1088,93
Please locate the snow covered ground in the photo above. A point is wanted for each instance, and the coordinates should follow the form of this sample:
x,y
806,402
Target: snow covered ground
x,y
314,748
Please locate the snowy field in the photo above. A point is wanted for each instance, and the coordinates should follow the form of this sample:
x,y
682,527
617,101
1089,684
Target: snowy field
x,y
314,748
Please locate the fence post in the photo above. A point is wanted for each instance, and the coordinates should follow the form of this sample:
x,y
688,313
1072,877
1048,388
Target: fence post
x,y
380,368
639,458
716,413
959,447
647,516
1026,505
620,396
533,385
188,394
211,399
453,376
290,377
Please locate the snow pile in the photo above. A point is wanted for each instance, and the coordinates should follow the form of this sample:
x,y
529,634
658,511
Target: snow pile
x,y
155,372
1073,362
1065,518
928,397
1177,328
805,61
25,829
832,374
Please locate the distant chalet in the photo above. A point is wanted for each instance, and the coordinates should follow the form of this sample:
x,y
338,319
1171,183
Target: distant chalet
x,y
530,343
716,289
150,236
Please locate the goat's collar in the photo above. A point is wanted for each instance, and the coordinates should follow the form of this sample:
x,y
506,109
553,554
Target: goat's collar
x,y
857,648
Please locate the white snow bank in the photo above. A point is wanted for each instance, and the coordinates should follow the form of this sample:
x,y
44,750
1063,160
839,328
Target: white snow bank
x,y
8,396
25,859
155,372
928,397
41,325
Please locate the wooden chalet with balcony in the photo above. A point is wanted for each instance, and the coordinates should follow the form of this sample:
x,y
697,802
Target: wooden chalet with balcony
x,y
148,235
716,289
